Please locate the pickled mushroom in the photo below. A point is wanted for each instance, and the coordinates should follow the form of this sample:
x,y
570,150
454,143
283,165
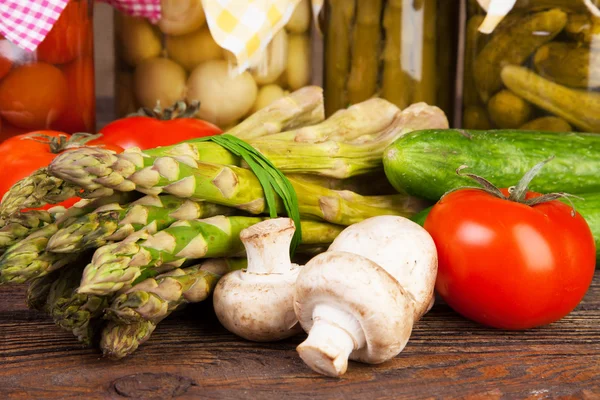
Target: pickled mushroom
x,y
181,16
193,49
224,95
137,40
300,19
266,95
274,60
298,61
159,80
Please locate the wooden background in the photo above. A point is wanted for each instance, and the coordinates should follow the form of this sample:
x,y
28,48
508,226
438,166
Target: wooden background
x,y
191,356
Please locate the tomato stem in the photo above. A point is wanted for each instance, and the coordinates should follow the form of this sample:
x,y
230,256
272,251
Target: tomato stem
x,y
517,193
63,142
180,109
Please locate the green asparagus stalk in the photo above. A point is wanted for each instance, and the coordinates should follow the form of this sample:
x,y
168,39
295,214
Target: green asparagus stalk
x,y
38,290
219,184
113,222
21,225
117,266
28,259
367,118
366,42
344,160
367,185
80,314
155,298
300,108
36,190
121,340
337,53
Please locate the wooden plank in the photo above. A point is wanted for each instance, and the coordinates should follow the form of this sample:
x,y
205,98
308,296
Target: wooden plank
x,y
192,356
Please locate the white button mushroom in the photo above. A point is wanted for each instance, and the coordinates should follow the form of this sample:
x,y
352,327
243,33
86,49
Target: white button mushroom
x,y
352,309
257,303
359,299
401,247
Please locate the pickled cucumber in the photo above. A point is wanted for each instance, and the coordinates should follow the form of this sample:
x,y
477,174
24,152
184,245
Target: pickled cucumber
x,y
580,108
508,111
180,17
568,64
300,19
548,124
297,70
159,81
473,43
513,46
337,53
395,86
362,81
475,117
136,40
193,49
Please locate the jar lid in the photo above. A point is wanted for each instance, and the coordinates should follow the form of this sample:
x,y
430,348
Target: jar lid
x,y
498,9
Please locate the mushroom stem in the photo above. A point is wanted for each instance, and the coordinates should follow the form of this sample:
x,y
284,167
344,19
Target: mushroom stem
x,y
268,246
334,335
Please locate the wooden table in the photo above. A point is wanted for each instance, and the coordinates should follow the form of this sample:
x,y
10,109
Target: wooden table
x,y
191,356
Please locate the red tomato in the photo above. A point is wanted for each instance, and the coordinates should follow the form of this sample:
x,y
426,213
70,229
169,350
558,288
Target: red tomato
x,y
20,156
69,36
79,115
33,96
148,132
509,265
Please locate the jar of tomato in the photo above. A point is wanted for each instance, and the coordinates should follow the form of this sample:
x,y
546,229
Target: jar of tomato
x,y
53,86
178,59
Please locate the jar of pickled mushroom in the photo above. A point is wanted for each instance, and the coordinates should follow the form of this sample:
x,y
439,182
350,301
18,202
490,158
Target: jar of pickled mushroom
x,y
178,59
51,87
402,50
532,64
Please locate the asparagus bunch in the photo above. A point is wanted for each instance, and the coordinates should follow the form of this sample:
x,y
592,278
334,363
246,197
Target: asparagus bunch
x,y
22,224
135,313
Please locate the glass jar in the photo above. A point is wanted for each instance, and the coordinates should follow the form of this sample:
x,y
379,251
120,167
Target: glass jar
x,y
538,69
53,87
177,59
402,50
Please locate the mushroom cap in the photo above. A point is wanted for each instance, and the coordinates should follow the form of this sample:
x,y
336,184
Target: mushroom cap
x,y
257,307
401,247
361,288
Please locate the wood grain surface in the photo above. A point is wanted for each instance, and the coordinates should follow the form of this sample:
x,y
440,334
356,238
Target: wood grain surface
x,y
191,356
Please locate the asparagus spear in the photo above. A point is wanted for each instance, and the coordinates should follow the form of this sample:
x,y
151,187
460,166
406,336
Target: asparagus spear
x,y
114,222
155,298
367,184
119,265
120,340
38,290
28,259
366,42
337,53
366,118
80,314
22,224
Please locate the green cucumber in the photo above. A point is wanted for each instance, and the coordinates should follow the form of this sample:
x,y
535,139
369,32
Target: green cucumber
x,y
588,206
424,163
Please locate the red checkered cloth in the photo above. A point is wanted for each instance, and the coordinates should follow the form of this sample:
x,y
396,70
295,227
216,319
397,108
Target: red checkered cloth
x,y
27,22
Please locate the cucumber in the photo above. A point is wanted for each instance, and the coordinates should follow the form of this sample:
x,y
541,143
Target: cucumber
x,y
424,163
588,206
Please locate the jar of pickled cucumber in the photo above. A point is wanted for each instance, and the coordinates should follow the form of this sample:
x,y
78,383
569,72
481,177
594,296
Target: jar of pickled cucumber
x,y
53,86
178,59
534,65
402,50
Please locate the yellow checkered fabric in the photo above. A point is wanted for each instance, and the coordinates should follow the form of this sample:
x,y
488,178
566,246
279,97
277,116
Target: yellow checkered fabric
x,y
246,27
